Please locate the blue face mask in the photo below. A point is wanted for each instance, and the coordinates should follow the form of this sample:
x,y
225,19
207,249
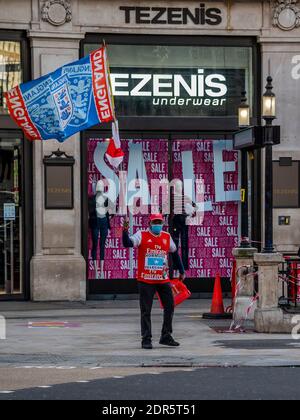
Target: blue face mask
x,y
156,229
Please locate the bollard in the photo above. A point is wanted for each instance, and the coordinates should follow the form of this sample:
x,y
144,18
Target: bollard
x,y
245,284
269,318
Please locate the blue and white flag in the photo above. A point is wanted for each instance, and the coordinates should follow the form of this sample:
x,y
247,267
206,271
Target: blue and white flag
x,y
71,99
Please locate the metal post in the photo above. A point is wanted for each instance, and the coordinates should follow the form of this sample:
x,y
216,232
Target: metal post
x,y
244,206
269,107
131,259
269,248
6,280
12,258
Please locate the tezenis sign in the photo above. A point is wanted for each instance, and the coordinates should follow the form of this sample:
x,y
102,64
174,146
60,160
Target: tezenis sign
x,y
177,91
201,15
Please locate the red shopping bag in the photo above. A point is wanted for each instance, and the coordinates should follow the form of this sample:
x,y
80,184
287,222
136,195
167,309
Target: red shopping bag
x,y
180,292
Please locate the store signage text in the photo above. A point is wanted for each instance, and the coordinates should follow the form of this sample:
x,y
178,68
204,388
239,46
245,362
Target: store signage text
x,y
177,91
199,89
134,184
201,15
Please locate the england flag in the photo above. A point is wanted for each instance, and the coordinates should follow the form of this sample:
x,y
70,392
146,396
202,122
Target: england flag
x,y
73,98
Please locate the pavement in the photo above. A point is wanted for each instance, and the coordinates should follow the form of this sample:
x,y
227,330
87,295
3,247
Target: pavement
x,y
105,334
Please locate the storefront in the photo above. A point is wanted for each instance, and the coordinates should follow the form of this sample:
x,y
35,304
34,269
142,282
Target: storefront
x,y
176,100
15,176
178,70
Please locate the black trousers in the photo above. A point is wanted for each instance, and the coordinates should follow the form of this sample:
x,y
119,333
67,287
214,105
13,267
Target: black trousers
x,y
102,228
181,233
147,292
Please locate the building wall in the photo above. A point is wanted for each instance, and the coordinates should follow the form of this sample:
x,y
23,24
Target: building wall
x,y
57,268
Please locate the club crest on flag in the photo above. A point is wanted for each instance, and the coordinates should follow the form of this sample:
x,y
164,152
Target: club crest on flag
x,y
63,102
71,99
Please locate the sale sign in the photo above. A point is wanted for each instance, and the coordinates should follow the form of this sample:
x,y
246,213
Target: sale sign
x,y
212,232
210,244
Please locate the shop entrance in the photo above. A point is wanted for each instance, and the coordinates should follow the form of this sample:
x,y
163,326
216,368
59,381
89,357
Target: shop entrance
x,y
208,237
11,217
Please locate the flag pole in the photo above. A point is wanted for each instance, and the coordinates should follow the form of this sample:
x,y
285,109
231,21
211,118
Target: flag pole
x,y
112,97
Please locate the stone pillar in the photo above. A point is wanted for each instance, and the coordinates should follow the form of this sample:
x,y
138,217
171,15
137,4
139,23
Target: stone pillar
x,y
268,316
58,270
244,257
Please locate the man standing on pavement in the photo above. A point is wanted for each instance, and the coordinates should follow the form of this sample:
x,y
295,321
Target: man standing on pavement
x,y
154,245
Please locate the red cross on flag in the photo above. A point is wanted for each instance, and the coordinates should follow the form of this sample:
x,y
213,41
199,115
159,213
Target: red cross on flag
x,y
114,153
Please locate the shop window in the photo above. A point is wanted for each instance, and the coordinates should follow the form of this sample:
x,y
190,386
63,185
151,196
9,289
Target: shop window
x,y
205,238
286,185
10,69
11,220
179,81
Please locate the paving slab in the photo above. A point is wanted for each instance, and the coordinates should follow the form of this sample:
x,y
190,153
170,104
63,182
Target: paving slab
x,y
106,334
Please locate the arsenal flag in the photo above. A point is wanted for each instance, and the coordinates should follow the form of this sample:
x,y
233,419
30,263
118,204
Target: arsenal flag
x,y
71,99
114,153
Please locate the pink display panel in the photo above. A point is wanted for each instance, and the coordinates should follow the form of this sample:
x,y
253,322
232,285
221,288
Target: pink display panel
x,y
211,241
119,263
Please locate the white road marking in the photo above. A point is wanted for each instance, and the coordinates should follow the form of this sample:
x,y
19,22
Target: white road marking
x,y
7,392
44,367
66,367
82,382
44,386
96,367
47,367
118,377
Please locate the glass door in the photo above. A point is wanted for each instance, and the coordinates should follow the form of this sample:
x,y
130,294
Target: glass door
x,y
11,262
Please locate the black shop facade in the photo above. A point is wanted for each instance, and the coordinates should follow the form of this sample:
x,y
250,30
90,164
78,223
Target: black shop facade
x,y
176,100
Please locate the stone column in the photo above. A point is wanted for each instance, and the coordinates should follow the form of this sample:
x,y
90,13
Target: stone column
x,y
268,316
58,270
244,257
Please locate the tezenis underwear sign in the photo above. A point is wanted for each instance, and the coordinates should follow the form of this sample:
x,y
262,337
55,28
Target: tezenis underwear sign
x,y
177,91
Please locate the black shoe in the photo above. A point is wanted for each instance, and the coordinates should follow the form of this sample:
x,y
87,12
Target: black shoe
x,y
147,345
168,340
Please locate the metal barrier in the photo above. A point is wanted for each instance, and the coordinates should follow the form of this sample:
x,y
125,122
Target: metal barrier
x,y
289,275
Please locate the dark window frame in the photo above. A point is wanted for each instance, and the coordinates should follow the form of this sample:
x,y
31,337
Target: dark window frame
x,y
298,171
8,128
188,125
26,184
114,287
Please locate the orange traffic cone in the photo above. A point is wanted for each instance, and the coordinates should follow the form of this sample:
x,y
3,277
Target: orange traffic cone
x,y
217,307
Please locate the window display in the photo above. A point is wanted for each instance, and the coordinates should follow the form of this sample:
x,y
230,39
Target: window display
x,y
206,231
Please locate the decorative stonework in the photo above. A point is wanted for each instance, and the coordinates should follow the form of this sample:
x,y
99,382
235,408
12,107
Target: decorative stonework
x,y
56,12
286,15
